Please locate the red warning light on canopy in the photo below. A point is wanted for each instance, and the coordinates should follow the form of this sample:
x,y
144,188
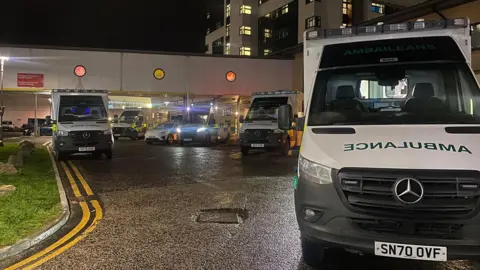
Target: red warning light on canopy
x,y
231,76
79,71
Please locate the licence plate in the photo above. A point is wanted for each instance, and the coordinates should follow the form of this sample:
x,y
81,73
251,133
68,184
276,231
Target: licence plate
x,y
413,252
86,149
258,145
188,139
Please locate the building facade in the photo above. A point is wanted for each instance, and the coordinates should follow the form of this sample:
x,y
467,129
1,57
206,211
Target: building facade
x,y
263,27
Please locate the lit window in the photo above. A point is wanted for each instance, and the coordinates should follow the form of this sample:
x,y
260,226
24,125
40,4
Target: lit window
x,y
245,30
268,33
227,11
312,22
347,7
245,9
285,9
268,15
227,48
378,8
208,15
227,30
267,52
347,12
245,51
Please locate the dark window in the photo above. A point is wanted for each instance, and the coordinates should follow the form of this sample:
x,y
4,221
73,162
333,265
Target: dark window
x,y
314,21
218,25
217,46
311,1
206,47
278,29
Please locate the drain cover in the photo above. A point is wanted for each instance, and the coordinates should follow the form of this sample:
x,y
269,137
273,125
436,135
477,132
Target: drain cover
x,y
223,216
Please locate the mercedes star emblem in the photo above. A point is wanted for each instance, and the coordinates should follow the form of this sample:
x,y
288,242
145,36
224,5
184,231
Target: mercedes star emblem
x,y
257,133
86,135
408,190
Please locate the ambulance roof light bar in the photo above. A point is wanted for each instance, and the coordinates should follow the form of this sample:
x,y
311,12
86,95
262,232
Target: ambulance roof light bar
x,y
380,28
79,91
280,92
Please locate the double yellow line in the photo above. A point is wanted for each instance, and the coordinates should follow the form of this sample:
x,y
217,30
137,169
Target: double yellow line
x,y
83,228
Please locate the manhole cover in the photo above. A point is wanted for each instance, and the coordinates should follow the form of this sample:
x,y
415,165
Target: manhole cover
x,y
223,216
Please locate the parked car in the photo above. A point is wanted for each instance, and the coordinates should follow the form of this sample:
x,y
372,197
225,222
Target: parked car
x,y
8,126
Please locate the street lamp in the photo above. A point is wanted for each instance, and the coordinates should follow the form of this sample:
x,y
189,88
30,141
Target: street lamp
x,y
3,59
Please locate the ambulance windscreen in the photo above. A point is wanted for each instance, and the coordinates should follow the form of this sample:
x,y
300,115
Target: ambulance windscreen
x,y
402,93
405,50
81,108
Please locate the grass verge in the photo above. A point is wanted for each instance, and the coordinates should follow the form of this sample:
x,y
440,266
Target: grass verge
x,y
35,202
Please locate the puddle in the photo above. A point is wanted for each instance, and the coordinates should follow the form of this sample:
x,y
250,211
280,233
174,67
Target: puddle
x,y
222,216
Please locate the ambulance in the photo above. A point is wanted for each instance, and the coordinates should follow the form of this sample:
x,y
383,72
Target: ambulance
x,y
80,123
389,162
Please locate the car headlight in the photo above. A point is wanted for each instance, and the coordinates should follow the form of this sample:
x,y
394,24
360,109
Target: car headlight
x,y
179,130
62,133
201,129
314,172
107,132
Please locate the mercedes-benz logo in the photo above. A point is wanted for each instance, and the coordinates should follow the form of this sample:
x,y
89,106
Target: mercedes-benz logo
x,y
257,133
86,135
408,190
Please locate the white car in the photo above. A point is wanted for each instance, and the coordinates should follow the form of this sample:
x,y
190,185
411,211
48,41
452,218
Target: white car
x,y
8,126
162,133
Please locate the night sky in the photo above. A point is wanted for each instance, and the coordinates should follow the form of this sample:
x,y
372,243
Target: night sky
x,y
161,25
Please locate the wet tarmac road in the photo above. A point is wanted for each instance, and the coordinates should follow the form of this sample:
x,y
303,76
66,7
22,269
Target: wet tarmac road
x,y
152,195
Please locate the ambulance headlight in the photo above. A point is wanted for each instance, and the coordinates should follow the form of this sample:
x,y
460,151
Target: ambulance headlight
x,y
314,172
62,133
179,130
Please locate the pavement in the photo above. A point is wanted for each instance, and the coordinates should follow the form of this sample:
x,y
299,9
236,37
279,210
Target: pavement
x,y
151,196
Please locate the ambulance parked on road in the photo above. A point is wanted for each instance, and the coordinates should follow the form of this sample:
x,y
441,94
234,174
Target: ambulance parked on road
x,y
80,123
259,128
389,163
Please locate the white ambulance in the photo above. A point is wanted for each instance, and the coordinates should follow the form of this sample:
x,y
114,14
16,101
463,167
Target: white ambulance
x,y
389,163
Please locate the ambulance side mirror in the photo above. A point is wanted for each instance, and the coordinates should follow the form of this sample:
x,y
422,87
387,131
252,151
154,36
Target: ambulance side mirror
x,y
285,116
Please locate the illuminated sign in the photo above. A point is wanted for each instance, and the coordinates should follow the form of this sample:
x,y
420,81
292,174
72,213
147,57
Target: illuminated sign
x,y
79,71
158,73
230,76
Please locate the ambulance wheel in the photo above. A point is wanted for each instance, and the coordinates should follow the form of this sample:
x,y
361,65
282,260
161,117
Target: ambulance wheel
x,y
312,253
170,139
60,156
245,150
208,140
286,147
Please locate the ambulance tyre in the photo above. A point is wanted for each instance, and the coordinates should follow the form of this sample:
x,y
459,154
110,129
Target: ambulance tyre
x,y
60,156
244,150
208,140
312,253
